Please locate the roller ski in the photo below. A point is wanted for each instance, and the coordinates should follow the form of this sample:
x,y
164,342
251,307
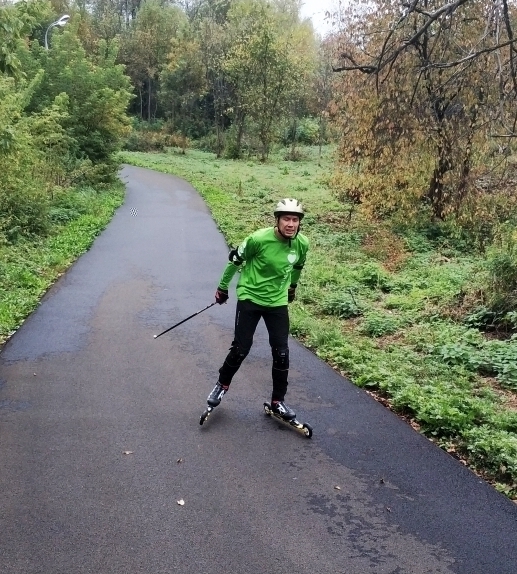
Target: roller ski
x,y
283,413
213,400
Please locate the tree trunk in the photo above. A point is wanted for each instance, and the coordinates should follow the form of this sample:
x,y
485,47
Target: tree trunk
x,y
320,137
218,124
436,193
293,143
240,133
149,101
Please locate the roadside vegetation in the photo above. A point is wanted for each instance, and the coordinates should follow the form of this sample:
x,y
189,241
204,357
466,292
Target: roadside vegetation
x,y
397,313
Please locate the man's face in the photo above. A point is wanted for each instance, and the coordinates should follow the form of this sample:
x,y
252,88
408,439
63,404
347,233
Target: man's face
x,y
288,225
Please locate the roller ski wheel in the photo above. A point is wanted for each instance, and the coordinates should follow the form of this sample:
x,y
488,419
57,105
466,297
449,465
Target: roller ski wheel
x,y
303,428
213,400
205,415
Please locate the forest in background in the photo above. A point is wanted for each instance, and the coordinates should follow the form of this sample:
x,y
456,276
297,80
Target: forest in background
x,y
417,98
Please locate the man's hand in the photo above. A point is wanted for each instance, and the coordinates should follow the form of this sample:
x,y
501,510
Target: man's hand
x,y
221,295
291,293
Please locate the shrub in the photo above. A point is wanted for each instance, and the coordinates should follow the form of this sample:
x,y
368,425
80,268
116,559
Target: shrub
x,y
490,358
373,275
24,209
146,141
494,451
377,325
342,305
307,132
501,272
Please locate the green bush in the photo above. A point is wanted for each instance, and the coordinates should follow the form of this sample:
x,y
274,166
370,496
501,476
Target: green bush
x,y
343,305
24,207
491,358
307,132
442,410
500,269
374,276
500,358
97,89
495,452
146,141
377,324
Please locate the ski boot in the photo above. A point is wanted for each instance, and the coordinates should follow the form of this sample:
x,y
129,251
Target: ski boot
x,y
213,399
282,412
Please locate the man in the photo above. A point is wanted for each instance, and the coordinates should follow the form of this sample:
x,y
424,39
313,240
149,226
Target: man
x,y
270,262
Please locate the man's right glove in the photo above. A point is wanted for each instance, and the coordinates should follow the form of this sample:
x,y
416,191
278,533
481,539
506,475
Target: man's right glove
x,y
221,295
291,292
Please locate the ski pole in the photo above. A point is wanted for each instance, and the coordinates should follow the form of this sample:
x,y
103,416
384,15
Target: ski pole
x,y
189,317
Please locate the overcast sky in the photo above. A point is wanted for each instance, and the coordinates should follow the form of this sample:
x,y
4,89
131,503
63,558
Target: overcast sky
x,y
315,9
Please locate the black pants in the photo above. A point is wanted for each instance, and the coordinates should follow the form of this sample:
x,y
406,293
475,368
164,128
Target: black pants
x,y
247,316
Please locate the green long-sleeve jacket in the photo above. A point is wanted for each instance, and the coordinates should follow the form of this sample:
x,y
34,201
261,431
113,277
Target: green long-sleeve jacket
x,y
267,266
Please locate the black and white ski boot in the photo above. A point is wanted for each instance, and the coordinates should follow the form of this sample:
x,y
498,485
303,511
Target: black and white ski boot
x,y
281,411
213,400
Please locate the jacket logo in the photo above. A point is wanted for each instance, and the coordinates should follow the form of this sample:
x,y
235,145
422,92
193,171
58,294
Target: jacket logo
x,y
291,258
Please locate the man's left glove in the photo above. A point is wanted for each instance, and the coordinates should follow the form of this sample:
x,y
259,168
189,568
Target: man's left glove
x,y
291,293
221,295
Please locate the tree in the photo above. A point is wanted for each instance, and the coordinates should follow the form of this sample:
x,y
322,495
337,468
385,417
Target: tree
x,y
265,63
23,190
427,88
213,43
323,89
97,90
145,49
183,83
16,23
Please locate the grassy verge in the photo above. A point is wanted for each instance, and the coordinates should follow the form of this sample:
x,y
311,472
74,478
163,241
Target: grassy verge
x,y
376,306
29,267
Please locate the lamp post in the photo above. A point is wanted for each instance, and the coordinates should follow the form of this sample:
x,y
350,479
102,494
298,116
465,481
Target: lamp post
x,y
61,22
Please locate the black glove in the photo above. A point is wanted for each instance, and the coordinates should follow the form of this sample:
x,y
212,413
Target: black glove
x,y
291,292
221,295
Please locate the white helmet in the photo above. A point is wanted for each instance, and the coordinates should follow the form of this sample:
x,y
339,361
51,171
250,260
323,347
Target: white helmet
x,y
289,206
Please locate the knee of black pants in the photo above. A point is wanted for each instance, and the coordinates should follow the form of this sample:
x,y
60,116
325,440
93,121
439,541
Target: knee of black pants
x,y
231,364
236,355
280,358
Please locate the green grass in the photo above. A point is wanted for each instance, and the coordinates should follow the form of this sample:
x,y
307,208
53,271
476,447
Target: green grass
x,y
375,306
29,267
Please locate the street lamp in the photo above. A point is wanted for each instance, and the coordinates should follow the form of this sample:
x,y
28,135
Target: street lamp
x,y
61,22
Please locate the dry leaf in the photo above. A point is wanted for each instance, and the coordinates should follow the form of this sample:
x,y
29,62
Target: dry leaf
x,y
181,502
179,460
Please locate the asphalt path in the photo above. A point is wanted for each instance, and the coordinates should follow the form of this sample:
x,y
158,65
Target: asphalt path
x,y
100,434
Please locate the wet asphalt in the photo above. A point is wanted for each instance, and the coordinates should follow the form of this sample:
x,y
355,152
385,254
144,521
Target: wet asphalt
x,y
100,434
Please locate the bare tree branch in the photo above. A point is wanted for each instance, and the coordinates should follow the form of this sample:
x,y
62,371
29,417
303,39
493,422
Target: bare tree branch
x,y
377,66
472,56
